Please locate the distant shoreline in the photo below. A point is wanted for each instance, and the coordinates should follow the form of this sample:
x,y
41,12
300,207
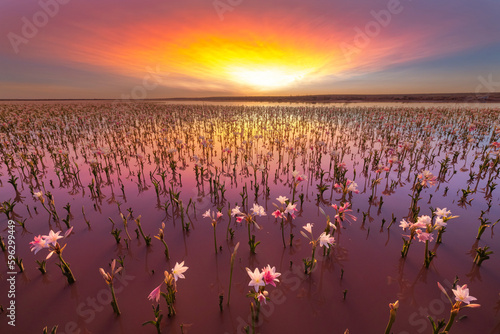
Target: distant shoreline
x,y
332,98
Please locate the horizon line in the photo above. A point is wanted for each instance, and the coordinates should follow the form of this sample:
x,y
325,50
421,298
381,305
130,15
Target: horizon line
x,y
331,97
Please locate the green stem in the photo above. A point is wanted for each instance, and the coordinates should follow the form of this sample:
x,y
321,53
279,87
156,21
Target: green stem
x,y
166,249
440,235
453,314
480,231
170,299
114,304
227,230
250,243
257,311
66,270
392,318
252,310
142,233
312,259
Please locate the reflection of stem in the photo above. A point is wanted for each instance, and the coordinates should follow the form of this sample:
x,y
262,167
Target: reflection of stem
x,y
426,261
215,238
50,213
283,233
182,215
230,278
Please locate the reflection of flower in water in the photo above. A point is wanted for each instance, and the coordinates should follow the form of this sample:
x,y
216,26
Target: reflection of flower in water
x,y
472,251
427,179
497,306
202,200
258,143
341,253
406,286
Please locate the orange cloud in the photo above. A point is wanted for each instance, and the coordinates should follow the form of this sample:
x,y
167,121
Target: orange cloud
x,y
251,51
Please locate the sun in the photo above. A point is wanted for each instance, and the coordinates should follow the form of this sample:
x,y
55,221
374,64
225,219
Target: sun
x,y
243,61
247,63
265,78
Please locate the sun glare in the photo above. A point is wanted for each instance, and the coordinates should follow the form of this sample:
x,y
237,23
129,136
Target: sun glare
x,y
246,61
264,79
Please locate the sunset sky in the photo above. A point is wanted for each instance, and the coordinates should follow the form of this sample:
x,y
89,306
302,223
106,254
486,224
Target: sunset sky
x,y
152,49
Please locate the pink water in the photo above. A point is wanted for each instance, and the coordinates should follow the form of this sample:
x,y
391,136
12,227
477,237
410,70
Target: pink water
x,y
282,139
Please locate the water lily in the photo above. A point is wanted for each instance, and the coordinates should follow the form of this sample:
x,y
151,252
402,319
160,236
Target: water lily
x,y
38,243
282,199
250,219
52,238
270,275
462,294
324,239
442,212
259,280
178,270
214,217
108,277
171,287
256,279
156,293
50,242
258,210
308,227
161,237
427,179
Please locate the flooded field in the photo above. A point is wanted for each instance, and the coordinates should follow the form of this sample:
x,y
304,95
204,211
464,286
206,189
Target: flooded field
x,y
235,219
